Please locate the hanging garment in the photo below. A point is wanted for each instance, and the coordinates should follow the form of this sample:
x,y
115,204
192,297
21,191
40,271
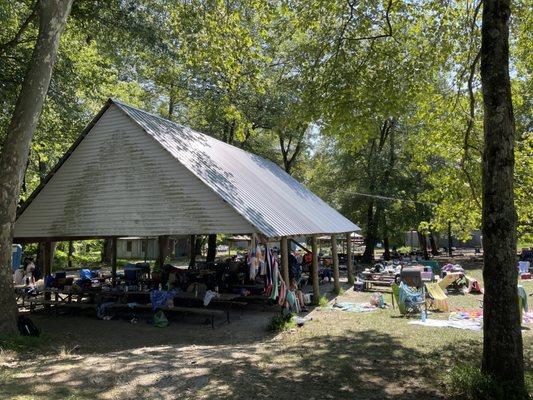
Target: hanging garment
x,y
268,261
282,293
275,277
293,302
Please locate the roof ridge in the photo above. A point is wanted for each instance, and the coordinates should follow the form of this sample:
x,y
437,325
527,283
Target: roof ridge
x,y
122,104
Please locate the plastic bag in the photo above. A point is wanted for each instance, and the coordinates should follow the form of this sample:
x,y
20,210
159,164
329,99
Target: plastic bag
x,y
160,320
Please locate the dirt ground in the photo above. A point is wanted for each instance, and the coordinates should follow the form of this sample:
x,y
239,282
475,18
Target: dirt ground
x,y
335,355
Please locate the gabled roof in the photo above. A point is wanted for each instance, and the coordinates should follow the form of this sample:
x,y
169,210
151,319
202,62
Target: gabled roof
x,y
272,201
258,189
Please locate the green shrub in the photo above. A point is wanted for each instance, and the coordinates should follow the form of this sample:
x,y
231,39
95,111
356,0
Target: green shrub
x,y
280,323
321,301
60,260
466,381
79,260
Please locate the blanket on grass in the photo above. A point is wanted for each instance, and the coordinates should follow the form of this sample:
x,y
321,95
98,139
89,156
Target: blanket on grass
x,y
354,307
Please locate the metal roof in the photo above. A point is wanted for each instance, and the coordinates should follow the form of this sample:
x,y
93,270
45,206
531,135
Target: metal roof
x,y
270,199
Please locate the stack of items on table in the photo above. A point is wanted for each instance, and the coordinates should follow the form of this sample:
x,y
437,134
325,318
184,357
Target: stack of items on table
x,y
137,276
60,280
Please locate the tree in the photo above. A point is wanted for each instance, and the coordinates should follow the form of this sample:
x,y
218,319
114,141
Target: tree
x,y
53,16
502,339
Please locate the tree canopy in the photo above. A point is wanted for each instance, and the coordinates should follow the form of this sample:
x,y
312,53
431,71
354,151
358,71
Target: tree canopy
x,y
377,98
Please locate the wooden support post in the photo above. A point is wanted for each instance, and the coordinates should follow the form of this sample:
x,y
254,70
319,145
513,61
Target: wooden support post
x,y
314,270
192,251
211,248
349,261
162,246
284,247
335,256
114,261
47,268
145,249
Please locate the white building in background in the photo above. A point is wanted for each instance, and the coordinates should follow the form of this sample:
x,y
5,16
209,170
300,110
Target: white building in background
x,y
411,240
137,248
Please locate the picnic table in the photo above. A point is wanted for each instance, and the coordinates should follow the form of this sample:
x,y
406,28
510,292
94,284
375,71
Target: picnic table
x,y
24,292
66,296
378,279
226,300
209,312
187,300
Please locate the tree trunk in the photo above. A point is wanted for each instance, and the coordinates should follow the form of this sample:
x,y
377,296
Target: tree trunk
x,y
192,250
171,102
211,248
198,246
433,244
70,252
195,243
450,240
53,16
162,253
39,260
502,339
423,244
370,238
386,245
107,253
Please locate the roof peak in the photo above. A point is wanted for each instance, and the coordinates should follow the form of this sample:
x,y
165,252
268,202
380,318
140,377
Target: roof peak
x,y
126,106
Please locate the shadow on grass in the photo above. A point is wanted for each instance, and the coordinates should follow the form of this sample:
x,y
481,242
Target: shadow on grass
x,y
355,365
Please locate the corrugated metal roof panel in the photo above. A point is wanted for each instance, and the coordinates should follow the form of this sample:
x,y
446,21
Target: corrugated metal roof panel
x,y
269,198
118,181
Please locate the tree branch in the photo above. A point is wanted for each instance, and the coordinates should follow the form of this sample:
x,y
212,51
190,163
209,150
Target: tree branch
x,y
16,39
472,110
388,33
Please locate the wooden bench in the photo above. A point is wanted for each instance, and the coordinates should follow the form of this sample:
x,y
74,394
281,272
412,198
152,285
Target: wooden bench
x,y
43,302
209,312
369,283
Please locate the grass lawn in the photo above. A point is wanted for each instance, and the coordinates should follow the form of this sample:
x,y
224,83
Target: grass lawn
x,y
336,355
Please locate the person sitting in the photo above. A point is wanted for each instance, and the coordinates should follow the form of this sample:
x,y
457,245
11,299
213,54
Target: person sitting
x,y
307,262
29,267
298,294
325,272
295,270
18,276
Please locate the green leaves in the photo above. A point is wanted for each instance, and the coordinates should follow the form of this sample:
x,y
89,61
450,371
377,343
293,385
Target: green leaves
x,y
285,79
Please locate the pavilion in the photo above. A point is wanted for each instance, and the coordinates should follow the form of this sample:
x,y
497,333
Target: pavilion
x,y
131,173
